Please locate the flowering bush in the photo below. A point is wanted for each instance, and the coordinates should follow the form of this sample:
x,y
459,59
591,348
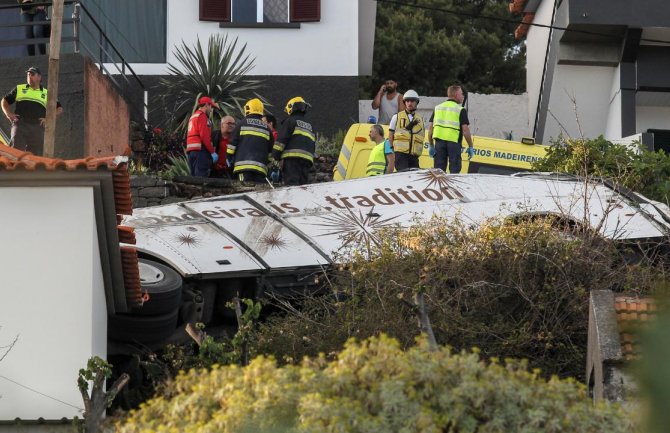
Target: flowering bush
x,y
375,386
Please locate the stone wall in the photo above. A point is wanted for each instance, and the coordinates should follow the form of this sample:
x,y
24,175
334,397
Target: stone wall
x,y
495,115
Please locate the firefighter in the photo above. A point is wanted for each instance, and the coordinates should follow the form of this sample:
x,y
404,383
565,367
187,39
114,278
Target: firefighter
x,y
406,133
295,144
200,134
251,144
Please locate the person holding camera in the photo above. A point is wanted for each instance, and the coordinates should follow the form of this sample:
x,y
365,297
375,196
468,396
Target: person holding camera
x,y
388,101
406,133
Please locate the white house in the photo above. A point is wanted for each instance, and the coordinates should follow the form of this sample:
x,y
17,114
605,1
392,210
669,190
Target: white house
x,y
311,48
601,68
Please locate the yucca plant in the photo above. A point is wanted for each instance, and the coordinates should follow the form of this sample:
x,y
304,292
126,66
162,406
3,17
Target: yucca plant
x,y
178,166
218,71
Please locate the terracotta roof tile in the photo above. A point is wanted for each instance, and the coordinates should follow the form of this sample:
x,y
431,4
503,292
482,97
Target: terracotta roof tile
x,y
13,159
522,30
131,277
516,6
632,311
127,235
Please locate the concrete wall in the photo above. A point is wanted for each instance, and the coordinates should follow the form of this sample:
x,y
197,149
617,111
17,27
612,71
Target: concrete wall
x,y
613,125
580,102
536,50
52,298
107,119
495,115
95,118
652,118
69,127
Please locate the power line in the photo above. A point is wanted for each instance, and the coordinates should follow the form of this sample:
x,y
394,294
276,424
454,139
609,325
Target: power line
x,y
41,393
508,21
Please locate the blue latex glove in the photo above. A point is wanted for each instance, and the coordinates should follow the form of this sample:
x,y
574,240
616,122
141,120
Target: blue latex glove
x,y
431,150
471,152
215,157
274,176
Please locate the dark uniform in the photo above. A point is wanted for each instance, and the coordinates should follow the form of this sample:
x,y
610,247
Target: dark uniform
x,y
31,106
250,148
295,147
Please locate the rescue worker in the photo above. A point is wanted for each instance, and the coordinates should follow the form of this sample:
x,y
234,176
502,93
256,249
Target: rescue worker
x,y
406,133
29,118
296,144
449,124
381,159
251,144
199,148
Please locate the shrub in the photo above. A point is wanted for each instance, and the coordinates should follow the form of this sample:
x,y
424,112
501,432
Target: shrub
x,y
643,170
162,149
375,386
516,290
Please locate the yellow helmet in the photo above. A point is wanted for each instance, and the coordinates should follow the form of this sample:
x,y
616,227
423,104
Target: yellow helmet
x,y
296,104
254,106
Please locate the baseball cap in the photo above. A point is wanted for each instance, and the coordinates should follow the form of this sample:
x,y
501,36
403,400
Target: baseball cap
x,y
34,69
207,100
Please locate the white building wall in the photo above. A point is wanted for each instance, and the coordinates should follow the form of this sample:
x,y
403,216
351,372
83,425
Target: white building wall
x,y
328,47
536,50
651,118
613,128
52,298
494,115
579,102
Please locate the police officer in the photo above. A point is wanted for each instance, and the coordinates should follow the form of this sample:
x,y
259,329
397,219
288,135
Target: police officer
x,y
407,132
382,158
448,125
29,118
295,145
251,143
199,148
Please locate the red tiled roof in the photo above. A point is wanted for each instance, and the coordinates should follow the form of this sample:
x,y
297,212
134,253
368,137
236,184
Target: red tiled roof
x,y
516,7
631,311
13,159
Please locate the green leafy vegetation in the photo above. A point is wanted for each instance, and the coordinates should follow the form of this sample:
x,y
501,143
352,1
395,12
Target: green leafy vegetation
x,y
513,289
640,170
218,71
428,50
375,386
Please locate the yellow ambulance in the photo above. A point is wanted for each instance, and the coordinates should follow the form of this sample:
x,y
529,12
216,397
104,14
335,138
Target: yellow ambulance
x,y
492,155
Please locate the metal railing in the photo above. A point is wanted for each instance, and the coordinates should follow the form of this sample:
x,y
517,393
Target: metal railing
x,y
102,52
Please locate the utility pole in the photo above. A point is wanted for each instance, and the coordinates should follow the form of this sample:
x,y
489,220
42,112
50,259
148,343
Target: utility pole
x,y
54,69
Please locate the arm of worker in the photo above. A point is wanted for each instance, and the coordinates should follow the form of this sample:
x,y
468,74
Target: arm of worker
x,y
205,133
234,140
390,157
376,102
8,112
392,124
465,127
284,136
8,100
429,132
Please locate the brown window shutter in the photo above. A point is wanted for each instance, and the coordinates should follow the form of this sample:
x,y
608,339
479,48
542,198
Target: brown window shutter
x,y
303,11
215,10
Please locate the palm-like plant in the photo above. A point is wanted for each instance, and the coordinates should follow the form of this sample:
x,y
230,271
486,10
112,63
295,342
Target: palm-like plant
x,y
218,72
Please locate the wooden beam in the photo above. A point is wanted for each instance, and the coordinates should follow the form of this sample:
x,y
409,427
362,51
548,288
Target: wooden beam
x,y
54,70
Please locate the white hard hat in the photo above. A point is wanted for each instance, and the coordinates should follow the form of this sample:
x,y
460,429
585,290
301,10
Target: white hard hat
x,y
410,94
